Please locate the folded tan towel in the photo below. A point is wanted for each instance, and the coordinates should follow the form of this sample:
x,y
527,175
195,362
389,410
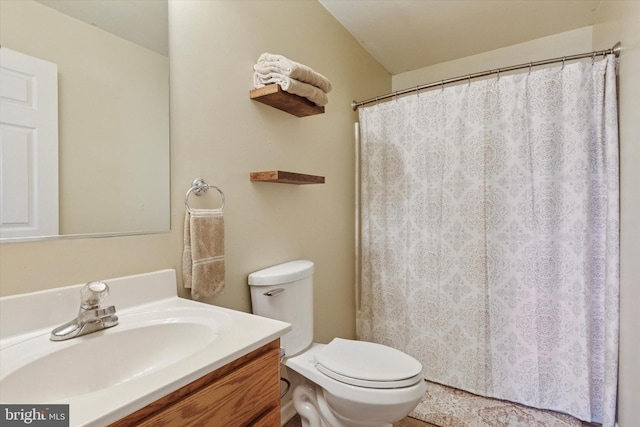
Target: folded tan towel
x,y
290,85
272,63
203,256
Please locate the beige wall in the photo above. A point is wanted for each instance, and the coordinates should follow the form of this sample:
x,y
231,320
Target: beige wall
x,y
617,21
113,131
219,134
576,41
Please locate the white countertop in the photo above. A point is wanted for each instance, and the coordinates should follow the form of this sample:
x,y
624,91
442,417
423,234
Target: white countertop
x,y
26,320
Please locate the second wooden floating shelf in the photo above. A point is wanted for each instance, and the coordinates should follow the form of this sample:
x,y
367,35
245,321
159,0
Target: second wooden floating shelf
x,y
286,177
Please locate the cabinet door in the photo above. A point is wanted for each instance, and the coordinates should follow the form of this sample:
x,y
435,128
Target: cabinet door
x,y
239,398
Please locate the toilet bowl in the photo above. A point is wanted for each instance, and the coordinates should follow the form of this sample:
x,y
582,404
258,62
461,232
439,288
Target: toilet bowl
x,y
345,404
345,383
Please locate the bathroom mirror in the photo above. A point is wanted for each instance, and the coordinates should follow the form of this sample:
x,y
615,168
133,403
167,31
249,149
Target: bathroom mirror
x,y
113,109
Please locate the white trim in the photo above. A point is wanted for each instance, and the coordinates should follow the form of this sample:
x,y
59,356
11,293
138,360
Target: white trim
x,y
287,411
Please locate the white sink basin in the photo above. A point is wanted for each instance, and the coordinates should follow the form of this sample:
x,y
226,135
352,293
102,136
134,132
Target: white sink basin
x,y
39,370
162,343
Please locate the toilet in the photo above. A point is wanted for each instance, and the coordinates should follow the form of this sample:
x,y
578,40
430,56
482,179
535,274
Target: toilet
x,y
345,383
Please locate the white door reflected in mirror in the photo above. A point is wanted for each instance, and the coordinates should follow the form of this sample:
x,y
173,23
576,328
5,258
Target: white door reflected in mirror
x,y
28,145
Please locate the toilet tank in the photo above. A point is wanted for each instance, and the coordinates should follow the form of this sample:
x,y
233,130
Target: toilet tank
x,y
285,292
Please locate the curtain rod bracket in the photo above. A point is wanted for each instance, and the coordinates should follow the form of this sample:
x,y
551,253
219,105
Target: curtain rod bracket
x,y
616,49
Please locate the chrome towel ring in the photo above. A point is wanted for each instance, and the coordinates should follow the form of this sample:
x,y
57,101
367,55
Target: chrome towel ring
x,y
199,187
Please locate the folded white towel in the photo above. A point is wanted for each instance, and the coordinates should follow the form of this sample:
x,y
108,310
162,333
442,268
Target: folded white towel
x,y
272,63
312,93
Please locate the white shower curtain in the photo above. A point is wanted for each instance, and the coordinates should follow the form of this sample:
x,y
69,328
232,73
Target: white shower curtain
x,y
489,235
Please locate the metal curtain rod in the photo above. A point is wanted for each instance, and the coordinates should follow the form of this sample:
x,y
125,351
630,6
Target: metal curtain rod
x,y
614,50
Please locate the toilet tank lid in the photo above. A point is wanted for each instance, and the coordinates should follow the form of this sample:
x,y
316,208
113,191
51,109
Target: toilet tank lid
x,y
282,273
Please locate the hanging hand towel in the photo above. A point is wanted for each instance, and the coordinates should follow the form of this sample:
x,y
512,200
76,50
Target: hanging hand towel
x,y
203,268
269,63
290,85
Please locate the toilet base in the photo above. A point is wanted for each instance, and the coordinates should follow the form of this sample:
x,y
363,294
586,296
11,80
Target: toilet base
x,y
311,405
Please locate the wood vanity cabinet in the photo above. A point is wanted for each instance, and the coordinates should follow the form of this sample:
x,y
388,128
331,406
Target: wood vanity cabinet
x,y
245,392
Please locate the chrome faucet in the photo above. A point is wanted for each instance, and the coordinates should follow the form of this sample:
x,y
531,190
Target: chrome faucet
x,y
91,317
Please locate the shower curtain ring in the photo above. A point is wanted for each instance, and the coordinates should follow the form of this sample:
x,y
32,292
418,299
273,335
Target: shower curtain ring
x,y
530,64
498,73
469,77
418,91
564,58
442,85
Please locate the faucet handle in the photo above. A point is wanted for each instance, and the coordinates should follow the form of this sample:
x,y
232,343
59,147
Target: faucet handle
x,y
92,294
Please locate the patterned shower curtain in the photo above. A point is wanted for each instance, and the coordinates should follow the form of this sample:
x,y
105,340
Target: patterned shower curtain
x,y
490,234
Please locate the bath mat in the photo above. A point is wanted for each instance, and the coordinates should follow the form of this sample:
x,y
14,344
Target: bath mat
x,y
449,407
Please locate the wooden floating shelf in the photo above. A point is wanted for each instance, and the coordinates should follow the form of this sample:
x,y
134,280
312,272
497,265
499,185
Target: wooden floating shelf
x,y
274,96
286,177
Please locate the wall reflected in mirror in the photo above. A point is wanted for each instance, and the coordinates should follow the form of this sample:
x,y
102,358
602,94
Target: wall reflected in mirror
x,y
113,108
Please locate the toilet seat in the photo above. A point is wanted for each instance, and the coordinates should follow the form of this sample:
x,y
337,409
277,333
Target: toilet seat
x,y
366,364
